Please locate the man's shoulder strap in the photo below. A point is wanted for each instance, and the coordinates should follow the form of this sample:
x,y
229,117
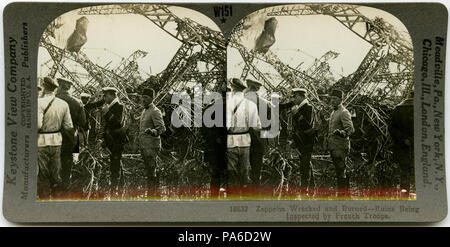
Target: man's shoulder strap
x,y
237,106
48,106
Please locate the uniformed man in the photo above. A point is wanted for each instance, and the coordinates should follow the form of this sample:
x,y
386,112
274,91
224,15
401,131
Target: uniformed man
x,y
70,143
402,133
338,141
303,134
53,116
151,126
113,134
90,107
242,114
258,144
85,97
214,151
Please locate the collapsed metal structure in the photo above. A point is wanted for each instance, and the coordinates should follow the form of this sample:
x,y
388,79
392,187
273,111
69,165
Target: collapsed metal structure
x,y
388,47
200,58
383,79
198,44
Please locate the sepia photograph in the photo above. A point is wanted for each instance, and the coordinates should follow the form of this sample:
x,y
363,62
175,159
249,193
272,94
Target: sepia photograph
x,y
302,102
108,76
338,79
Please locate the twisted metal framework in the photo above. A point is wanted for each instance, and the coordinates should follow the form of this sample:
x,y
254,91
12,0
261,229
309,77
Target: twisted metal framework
x,y
380,34
182,67
372,78
321,66
128,68
318,70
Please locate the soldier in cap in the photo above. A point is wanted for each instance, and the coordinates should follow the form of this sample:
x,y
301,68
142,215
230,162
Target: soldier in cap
x,y
214,147
151,126
114,132
242,114
85,97
258,144
90,107
339,130
402,133
70,139
53,117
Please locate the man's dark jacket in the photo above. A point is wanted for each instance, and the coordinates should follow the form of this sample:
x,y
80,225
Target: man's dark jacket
x,y
303,126
402,124
302,121
76,109
114,131
70,141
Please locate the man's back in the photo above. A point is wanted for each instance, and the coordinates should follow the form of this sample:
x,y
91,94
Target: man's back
x,y
76,109
56,118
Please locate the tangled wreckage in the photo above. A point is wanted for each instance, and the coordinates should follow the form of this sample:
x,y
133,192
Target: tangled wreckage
x,y
383,79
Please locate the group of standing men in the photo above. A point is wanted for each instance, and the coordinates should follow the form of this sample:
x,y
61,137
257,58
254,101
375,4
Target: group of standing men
x,y
63,121
246,147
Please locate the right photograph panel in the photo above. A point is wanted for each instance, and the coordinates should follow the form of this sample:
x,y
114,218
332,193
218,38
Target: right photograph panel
x,y
326,91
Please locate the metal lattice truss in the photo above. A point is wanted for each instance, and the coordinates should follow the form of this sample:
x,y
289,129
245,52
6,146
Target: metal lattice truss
x,y
128,68
198,44
101,77
193,36
293,77
320,66
380,34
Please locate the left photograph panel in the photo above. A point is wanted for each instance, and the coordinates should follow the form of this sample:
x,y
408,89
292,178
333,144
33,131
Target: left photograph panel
x,y
111,79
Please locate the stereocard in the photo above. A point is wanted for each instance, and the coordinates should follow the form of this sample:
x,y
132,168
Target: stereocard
x,y
379,54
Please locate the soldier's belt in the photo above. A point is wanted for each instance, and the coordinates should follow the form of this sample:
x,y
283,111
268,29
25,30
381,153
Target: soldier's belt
x,y
238,133
49,132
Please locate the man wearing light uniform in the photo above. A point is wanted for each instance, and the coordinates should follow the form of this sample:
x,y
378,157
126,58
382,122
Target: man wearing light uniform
x,y
340,128
258,144
242,114
53,116
151,126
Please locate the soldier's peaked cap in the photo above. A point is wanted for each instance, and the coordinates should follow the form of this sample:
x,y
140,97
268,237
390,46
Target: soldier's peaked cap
x,y
109,89
236,82
251,82
64,81
299,90
85,95
49,82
